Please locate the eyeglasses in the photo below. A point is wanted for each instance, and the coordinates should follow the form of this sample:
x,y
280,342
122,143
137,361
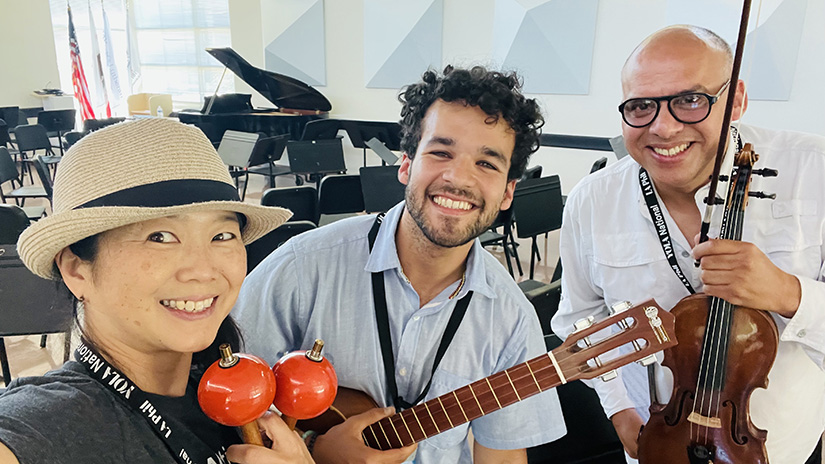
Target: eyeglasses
x,y
687,108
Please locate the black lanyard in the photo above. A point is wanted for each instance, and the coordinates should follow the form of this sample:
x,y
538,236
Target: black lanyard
x,y
658,217
182,443
382,321
660,224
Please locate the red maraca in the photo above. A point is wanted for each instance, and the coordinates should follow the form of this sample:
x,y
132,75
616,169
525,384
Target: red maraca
x,y
236,390
306,384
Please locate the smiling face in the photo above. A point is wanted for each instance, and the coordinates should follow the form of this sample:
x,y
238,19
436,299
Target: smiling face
x,y
457,182
678,156
162,285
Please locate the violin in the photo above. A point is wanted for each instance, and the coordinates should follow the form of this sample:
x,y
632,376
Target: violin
x,y
724,353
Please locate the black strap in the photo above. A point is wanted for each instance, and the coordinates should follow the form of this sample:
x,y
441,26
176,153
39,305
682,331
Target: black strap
x,y
659,222
182,443
383,323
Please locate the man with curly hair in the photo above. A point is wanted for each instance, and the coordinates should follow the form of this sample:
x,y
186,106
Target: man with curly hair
x,y
467,137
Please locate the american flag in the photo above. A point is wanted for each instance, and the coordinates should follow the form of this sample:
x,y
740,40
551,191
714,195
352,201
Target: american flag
x,y
81,89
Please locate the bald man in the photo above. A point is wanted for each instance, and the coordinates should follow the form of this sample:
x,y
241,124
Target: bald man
x,y
614,248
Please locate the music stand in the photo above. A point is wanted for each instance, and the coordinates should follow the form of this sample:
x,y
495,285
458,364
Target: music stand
x,y
57,122
316,157
361,131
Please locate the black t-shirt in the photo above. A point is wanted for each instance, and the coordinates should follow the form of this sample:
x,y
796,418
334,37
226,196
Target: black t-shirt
x,y
66,416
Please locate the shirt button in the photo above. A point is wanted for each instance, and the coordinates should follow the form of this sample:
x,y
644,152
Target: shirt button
x,y
685,254
801,333
403,371
416,318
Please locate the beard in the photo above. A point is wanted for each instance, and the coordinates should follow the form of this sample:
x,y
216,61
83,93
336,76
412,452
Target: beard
x,y
452,233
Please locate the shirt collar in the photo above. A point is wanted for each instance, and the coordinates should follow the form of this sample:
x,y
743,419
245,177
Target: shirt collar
x,y
384,256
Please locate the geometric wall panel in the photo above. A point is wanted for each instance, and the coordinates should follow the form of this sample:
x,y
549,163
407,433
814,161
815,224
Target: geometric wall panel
x,y
549,42
771,47
297,49
402,38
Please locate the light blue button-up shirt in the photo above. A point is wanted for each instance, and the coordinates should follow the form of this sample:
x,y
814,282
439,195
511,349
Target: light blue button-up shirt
x,y
318,285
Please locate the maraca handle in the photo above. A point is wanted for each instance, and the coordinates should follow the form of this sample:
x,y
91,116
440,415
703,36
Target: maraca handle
x,y
252,434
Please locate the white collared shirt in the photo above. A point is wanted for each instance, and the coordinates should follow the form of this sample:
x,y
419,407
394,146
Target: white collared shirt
x,y
611,253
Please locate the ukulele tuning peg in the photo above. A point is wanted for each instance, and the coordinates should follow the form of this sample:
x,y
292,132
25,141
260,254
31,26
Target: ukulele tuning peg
x,y
619,307
771,196
647,360
609,375
766,172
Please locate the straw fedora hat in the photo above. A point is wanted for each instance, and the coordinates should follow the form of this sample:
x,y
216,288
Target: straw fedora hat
x,y
131,172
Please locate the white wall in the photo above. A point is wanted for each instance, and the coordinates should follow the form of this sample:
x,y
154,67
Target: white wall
x,y
468,25
27,54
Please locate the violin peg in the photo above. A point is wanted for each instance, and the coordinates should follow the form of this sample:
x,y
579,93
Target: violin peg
x,y
724,178
766,172
609,375
718,201
770,196
619,307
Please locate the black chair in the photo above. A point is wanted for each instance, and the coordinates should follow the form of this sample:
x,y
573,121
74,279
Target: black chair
x,y
91,125
32,138
381,188
266,152
13,221
301,200
537,207
261,248
505,239
57,123
43,172
532,173
11,114
598,164
30,305
5,137
72,137
8,173
340,195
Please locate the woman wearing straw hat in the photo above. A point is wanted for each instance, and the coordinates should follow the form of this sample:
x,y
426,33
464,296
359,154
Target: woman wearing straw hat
x,y
148,235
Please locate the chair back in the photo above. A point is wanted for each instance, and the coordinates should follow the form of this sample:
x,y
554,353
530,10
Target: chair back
x,y
57,121
537,206
532,173
261,248
32,137
381,188
236,147
30,304
13,220
598,164
8,169
72,137
301,200
316,156
10,114
340,194
91,125
5,138
162,101
43,173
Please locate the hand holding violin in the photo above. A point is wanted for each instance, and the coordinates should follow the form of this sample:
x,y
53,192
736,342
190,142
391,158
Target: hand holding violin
x,y
741,274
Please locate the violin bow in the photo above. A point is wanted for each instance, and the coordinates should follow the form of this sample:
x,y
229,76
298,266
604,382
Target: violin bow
x,y
710,201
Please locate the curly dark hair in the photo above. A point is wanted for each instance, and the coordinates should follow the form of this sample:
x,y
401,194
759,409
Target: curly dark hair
x,y
497,94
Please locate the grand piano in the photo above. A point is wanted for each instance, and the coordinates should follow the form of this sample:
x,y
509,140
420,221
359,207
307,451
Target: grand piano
x,y
297,103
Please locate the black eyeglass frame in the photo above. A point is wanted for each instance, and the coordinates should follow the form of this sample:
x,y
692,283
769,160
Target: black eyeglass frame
x,y
711,100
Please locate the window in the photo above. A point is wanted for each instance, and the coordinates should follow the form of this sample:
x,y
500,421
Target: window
x,y
170,41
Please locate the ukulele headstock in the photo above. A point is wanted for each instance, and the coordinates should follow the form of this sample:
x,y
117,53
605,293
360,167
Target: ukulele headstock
x,y
644,329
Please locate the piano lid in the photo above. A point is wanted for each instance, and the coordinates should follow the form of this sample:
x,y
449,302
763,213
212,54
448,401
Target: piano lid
x,y
281,90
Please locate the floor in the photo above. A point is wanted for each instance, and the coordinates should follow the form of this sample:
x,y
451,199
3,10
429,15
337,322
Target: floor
x,y
27,358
